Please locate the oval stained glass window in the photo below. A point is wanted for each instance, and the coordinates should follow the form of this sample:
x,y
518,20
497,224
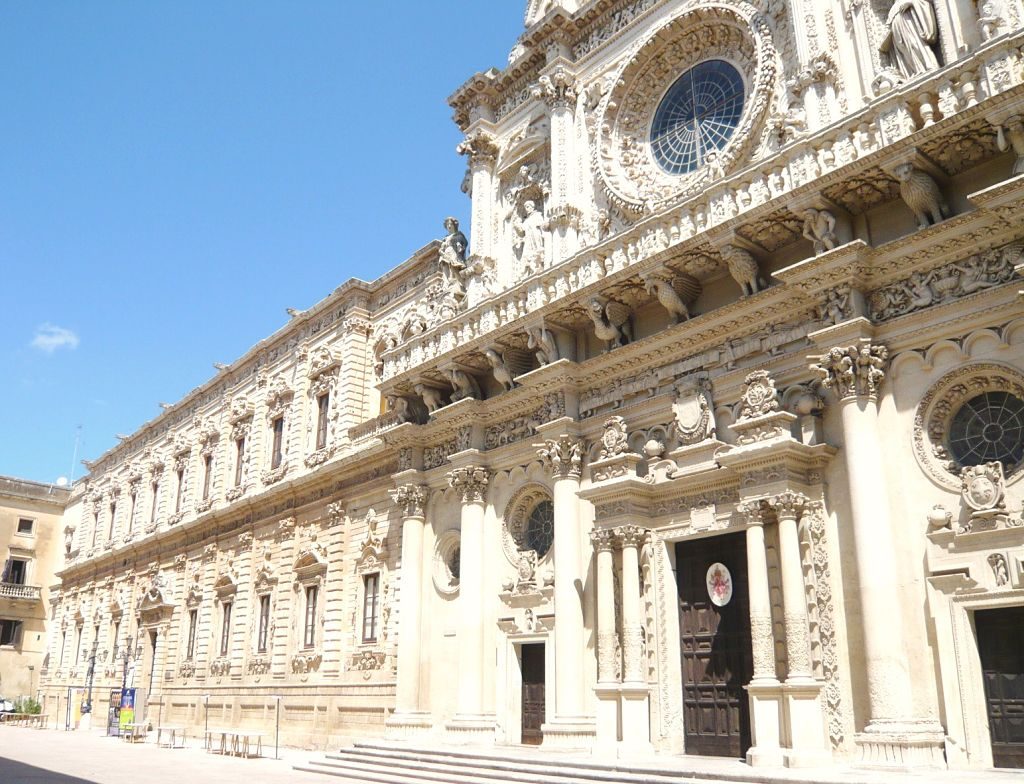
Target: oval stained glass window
x,y
697,116
986,428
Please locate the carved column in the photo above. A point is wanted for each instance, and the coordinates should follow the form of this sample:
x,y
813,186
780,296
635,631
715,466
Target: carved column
x,y
636,720
855,374
788,507
409,719
482,153
764,689
470,723
604,542
558,90
571,727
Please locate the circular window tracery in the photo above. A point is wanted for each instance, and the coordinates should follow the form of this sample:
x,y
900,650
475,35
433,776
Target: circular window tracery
x,y
540,528
987,428
697,117
447,563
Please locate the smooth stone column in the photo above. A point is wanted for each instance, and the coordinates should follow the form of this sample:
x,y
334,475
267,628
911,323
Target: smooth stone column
x,y
855,374
409,720
764,689
470,724
804,710
636,717
482,153
571,727
607,689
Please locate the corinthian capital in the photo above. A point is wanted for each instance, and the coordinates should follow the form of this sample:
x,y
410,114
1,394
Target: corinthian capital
x,y
753,511
557,89
603,539
470,483
632,535
412,499
789,505
563,457
853,371
480,148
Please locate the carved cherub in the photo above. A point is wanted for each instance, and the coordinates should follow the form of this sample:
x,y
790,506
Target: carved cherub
x,y
820,229
611,321
432,397
921,193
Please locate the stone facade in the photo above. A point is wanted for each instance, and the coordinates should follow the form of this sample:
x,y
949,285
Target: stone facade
x,y
773,349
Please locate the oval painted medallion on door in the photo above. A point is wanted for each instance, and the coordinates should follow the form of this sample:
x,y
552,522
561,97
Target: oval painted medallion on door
x,y
719,582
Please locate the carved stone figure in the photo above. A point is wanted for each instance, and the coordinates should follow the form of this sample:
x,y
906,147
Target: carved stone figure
x,y
452,257
693,410
989,20
759,396
999,571
921,193
983,487
529,232
820,229
544,345
463,385
913,31
505,367
613,440
1014,129
743,268
611,321
836,306
400,406
432,397
675,293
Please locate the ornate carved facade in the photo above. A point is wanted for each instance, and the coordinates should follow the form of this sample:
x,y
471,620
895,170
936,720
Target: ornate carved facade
x,y
773,377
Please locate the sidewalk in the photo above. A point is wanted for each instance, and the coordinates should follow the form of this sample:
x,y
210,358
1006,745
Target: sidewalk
x,y
30,756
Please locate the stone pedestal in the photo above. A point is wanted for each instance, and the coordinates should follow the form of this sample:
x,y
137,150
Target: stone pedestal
x,y
766,706
806,721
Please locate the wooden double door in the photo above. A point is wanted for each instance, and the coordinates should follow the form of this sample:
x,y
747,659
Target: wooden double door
x,y
1001,647
714,624
534,692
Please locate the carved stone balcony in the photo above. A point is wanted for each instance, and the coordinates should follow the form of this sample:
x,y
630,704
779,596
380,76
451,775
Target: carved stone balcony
x,y
31,593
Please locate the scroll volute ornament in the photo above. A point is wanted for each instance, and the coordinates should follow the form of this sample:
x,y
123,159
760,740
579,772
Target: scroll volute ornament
x,y
470,483
853,371
563,457
411,499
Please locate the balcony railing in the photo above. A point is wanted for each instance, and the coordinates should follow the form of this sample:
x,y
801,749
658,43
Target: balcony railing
x,y
16,591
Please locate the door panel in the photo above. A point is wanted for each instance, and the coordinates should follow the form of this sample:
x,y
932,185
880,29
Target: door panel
x,y
1001,647
533,692
715,648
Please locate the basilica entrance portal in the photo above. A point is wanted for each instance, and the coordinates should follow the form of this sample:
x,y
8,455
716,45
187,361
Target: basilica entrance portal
x,y
714,625
1001,647
533,692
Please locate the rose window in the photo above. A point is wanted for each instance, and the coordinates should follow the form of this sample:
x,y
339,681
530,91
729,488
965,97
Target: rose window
x,y
540,528
987,428
697,117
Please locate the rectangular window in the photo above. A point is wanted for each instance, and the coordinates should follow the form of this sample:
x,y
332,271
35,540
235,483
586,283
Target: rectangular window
x,y
275,453
95,527
239,459
78,644
261,637
323,404
10,632
25,527
309,636
371,598
207,474
180,490
190,650
115,634
131,510
15,571
156,494
113,517
225,628
63,645
95,639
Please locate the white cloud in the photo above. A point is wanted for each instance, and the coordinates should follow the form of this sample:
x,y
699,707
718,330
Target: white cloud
x,y
50,337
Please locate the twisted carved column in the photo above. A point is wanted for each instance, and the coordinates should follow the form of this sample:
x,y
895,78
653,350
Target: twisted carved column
x,y
604,544
788,508
632,538
470,483
761,635
412,500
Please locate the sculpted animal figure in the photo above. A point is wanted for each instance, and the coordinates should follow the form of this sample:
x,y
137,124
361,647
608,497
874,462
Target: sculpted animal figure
x,y
543,344
432,397
611,321
675,294
463,385
744,270
922,195
502,372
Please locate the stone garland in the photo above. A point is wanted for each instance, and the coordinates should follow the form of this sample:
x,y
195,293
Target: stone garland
x,y
671,714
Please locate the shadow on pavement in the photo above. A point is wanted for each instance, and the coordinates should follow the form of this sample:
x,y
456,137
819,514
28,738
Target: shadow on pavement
x,y
12,772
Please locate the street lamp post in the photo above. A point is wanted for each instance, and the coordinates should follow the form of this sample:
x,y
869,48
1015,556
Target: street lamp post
x,y
32,680
89,675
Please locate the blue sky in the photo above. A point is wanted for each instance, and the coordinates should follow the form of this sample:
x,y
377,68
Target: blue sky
x,y
173,175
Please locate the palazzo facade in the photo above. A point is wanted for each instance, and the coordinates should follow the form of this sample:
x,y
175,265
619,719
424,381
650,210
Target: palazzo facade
x,y
710,442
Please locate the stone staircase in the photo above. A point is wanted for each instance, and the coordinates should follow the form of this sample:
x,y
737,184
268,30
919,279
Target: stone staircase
x,y
387,763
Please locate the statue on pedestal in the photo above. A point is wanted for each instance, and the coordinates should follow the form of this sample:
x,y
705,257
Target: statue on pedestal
x,y
913,32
